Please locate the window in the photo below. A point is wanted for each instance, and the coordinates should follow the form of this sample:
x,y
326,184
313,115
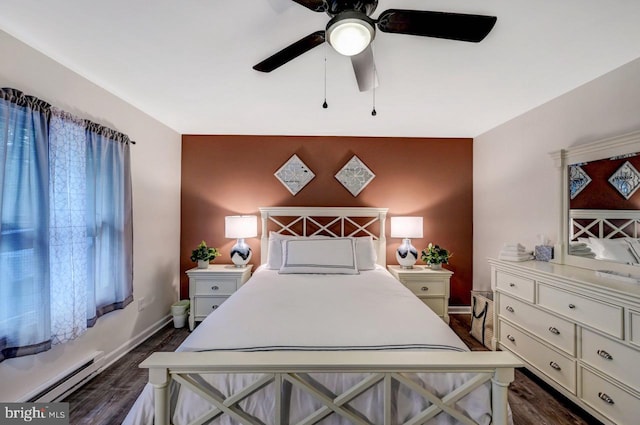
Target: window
x,y
65,224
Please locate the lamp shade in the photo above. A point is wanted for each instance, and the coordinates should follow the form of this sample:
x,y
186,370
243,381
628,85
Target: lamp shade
x,y
240,226
406,227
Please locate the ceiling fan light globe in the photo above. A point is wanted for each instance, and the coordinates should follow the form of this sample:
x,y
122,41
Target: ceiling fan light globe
x,y
350,36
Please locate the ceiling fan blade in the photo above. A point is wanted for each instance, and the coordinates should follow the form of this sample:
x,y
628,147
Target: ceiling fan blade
x,y
453,26
315,5
364,68
291,52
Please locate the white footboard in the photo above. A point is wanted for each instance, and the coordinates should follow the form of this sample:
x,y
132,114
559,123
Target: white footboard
x,y
284,368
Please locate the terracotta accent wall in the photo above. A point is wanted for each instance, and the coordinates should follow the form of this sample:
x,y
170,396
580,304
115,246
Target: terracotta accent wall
x,y
229,175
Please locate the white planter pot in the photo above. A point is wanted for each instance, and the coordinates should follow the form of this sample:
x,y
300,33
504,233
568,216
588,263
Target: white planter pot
x,y
203,264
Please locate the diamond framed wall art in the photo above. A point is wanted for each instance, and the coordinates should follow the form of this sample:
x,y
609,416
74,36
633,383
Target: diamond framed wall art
x,y
626,180
294,175
355,175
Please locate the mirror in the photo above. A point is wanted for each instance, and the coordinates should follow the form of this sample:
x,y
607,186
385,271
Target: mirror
x,y
600,208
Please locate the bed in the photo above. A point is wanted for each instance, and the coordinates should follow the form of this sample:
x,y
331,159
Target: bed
x,y
312,345
610,235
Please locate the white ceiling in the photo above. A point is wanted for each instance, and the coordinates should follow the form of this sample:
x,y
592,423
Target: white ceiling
x,y
188,62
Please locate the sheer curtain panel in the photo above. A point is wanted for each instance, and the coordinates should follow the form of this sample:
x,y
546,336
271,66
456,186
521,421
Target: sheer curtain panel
x,y
24,225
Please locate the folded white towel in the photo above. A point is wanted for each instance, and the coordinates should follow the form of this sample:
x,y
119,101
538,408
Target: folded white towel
x,y
515,257
514,247
584,249
578,245
584,254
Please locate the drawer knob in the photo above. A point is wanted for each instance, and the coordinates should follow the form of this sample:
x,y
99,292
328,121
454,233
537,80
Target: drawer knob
x,y
510,338
510,309
604,355
215,288
424,288
572,306
555,365
214,307
554,330
606,398
512,284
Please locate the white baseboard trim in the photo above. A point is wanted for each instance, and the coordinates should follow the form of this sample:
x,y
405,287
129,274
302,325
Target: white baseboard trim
x,y
459,309
115,355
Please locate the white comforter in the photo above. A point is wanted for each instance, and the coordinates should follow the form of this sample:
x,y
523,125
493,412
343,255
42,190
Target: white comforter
x,y
369,311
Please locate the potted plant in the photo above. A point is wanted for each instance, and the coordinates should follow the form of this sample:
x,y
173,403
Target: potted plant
x,y
203,254
435,256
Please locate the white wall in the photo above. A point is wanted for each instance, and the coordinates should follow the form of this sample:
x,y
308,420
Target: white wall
x,y
516,186
156,222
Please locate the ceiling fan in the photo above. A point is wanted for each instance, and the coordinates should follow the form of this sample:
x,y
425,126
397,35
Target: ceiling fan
x,y
351,30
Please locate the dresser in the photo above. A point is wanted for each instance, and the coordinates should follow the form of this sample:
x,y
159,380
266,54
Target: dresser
x,y
210,287
574,329
431,286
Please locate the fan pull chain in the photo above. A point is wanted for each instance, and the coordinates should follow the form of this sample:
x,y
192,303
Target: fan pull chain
x,y
324,104
373,111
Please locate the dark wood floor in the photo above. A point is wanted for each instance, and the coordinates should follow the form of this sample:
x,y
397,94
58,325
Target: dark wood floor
x,y
106,399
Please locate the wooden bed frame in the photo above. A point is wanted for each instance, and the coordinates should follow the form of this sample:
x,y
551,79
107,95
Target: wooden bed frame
x,y
284,369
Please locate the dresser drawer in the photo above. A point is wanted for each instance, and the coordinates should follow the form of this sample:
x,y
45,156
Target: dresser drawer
x,y
420,287
552,329
215,286
634,327
609,399
553,364
515,285
435,304
611,357
588,311
205,305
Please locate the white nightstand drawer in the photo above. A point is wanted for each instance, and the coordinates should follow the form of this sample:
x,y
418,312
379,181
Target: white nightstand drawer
x,y
610,400
553,364
614,359
425,288
552,329
215,286
435,304
205,305
515,285
598,314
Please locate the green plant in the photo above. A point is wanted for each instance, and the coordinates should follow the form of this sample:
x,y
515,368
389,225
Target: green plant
x,y
202,252
433,254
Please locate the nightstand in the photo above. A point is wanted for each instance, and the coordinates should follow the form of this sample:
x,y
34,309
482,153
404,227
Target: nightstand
x,y
431,286
210,287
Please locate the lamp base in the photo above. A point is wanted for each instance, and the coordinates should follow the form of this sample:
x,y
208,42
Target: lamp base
x,y
407,254
240,253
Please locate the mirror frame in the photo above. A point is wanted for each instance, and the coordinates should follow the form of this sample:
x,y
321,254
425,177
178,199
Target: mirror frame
x,y
600,149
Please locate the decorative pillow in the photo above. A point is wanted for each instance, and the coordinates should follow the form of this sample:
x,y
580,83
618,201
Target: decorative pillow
x,y
366,255
325,256
274,256
634,244
617,250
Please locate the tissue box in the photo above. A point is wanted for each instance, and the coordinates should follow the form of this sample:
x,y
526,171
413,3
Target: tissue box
x,y
543,252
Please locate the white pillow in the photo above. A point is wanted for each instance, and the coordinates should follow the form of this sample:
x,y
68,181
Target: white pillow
x,y
274,256
617,250
366,255
634,245
326,256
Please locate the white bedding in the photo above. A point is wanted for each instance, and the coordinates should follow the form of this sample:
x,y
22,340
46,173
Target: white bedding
x,y
368,311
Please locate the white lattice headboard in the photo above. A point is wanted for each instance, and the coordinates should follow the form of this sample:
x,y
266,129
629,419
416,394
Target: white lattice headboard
x,y
326,221
604,224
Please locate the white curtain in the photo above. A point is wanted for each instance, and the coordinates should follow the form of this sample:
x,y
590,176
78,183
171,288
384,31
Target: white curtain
x,y
68,245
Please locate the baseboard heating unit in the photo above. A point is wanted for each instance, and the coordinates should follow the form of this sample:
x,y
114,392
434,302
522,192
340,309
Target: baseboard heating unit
x,y
69,380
